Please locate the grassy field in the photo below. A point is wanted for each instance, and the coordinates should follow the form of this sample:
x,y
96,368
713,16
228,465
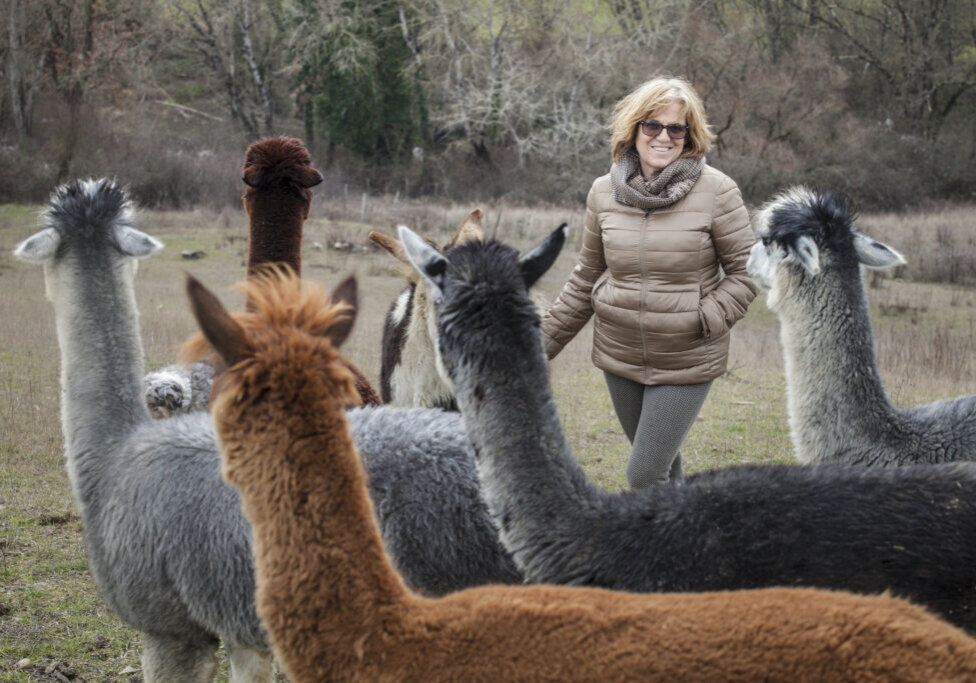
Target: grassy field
x,y
54,626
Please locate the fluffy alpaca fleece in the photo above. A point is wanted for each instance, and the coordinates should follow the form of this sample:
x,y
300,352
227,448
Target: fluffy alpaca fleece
x,y
422,480
868,530
279,175
411,372
809,258
335,609
167,543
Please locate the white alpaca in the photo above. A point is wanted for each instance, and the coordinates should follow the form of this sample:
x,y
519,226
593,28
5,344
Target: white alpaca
x,y
808,258
411,370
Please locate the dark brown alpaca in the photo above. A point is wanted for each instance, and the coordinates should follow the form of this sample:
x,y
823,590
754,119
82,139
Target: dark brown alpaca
x,y
335,609
278,173
279,176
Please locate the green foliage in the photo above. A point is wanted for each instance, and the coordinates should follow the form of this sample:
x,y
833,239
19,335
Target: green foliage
x,y
362,84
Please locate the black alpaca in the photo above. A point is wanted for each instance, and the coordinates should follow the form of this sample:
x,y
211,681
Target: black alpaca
x,y
909,530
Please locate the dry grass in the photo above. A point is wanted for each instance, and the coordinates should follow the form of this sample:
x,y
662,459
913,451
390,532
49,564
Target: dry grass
x,y
50,612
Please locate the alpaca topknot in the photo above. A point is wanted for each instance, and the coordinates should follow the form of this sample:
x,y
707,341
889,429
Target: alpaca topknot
x,y
283,303
824,216
279,160
88,207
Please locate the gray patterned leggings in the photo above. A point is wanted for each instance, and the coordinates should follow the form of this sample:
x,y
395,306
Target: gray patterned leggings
x,y
656,420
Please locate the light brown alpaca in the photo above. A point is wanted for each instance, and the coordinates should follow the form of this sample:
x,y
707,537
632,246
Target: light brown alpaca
x,y
335,609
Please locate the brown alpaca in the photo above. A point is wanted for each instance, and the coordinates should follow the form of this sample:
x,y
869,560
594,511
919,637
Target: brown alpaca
x,y
278,173
335,609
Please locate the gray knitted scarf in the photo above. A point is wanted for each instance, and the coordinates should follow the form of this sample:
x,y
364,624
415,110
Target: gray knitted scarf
x,y
667,187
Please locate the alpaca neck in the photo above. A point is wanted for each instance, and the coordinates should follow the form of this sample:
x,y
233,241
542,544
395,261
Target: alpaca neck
x,y
834,388
324,581
101,361
529,475
276,223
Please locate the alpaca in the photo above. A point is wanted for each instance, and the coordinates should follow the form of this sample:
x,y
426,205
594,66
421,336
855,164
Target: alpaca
x,y
424,486
411,373
904,529
167,544
426,495
178,389
336,610
279,176
808,258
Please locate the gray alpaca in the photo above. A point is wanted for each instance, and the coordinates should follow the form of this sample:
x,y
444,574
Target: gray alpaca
x,y
167,541
177,389
909,530
808,258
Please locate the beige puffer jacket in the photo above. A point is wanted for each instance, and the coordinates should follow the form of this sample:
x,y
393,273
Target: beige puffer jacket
x,y
662,308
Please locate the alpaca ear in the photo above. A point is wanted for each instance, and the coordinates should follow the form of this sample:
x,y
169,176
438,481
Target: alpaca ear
x,y
806,252
251,176
390,245
470,228
431,265
346,292
225,335
539,260
136,243
875,254
38,247
310,177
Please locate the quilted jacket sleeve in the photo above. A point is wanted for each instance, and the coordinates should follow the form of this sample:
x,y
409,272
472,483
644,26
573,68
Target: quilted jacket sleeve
x,y
573,307
733,238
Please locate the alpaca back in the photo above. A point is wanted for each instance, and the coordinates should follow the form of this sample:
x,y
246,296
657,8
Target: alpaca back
x,y
189,531
427,499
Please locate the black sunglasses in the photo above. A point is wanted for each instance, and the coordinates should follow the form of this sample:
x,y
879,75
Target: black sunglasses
x,y
652,129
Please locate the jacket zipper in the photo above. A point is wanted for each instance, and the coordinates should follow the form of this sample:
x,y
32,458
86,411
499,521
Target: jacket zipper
x,y
643,293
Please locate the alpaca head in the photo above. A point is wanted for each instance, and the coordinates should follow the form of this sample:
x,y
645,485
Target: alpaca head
x,y
478,288
280,353
803,236
470,229
410,328
88,226
282,165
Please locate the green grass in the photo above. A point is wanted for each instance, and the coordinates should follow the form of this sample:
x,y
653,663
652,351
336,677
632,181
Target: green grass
x,y
51,613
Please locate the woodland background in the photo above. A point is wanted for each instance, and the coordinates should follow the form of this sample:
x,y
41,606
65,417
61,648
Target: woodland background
x,y
501,100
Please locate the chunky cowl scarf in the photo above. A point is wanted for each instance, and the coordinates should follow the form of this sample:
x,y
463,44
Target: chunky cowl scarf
x,y
671,184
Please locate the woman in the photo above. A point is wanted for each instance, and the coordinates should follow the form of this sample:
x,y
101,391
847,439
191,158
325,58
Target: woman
x,y
662,270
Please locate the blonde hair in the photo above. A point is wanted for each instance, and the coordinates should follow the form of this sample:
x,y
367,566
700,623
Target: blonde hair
x,y
648,99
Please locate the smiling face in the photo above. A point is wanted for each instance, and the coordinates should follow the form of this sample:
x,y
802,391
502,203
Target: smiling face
x,y
657,152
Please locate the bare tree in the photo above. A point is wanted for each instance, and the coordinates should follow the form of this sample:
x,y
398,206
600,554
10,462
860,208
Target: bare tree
x,y
23,59
89,46
914,56
222,33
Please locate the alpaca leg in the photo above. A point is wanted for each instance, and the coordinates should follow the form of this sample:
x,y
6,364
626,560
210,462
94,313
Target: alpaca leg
x,y
248,666
166,661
